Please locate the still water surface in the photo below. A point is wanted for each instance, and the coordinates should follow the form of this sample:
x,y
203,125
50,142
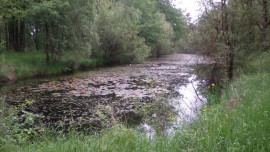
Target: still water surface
x,y
115,92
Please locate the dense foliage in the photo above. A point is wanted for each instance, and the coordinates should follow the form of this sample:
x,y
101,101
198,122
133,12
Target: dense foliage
x,y
118,30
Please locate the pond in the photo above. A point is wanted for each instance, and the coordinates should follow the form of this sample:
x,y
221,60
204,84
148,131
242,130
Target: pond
x,y
99,98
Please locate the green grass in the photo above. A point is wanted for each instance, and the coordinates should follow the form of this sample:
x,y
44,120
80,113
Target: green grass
x,y
241,122
118,138
238,121
30,64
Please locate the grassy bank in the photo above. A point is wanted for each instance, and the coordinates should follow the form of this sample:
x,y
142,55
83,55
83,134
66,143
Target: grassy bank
x,y
32,64
238,121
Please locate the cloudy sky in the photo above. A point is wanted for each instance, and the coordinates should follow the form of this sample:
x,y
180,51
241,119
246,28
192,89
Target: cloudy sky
x,y
189,6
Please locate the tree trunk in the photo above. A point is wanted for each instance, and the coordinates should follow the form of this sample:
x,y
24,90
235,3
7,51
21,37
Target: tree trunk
x,y
222,23
223,36
6,36
16,36
22,36
1,34
227,46
11,36
266,23
36,37
54,44
47,42
158,52
265,14
36,42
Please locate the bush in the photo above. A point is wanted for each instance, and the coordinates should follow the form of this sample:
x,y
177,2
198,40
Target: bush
x,y
15,128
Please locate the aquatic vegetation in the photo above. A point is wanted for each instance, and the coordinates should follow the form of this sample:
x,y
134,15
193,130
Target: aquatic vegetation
x,y
102,86
81,99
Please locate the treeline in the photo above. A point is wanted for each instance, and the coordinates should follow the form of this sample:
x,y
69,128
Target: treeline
x,y
231,30
118,30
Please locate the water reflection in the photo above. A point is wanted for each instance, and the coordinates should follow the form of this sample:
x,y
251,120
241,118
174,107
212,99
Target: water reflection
x,y
191,100
187,105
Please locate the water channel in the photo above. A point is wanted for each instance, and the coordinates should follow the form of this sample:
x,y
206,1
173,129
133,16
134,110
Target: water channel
x,y
99,97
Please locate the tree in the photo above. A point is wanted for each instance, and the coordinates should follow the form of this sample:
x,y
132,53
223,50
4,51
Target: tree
x,y
62,25
230,30
51,15
109,28
175,17
118,37
152,26
264,23
14,13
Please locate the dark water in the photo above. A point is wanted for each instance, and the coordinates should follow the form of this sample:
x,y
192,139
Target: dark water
x,y
100,97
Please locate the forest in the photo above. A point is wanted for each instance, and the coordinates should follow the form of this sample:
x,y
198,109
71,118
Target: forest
x,y
134,75
58,33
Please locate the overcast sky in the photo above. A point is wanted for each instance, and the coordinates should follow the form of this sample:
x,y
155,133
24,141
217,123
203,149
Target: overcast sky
x,y
188,6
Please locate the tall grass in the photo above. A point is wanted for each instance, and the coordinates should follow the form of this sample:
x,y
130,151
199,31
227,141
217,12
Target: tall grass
x,y
241,122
